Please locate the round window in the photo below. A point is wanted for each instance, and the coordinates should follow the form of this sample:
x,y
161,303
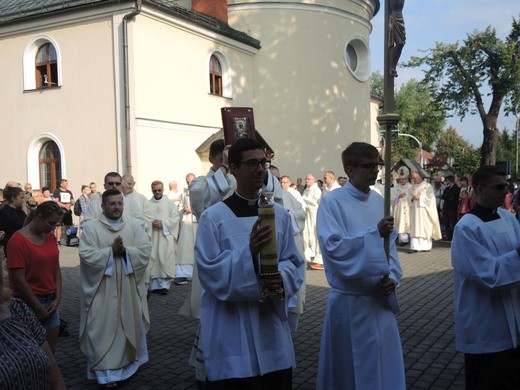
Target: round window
x,y
357,58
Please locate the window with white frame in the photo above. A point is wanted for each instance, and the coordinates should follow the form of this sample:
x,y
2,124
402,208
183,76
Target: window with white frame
x,y
42,64
219,75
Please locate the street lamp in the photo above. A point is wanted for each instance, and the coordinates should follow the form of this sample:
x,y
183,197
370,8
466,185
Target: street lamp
x,y
418,142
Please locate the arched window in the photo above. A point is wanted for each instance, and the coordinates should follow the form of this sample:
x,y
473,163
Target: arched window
x,y
215,76
50,165
42,64
46,64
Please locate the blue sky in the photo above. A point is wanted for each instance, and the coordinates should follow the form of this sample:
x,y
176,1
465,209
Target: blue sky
x,y
431,21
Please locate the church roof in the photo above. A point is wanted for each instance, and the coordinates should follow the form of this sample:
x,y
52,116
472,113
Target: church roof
x,y
14,11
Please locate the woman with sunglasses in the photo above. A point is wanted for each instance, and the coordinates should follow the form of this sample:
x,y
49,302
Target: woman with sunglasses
x,y
34,269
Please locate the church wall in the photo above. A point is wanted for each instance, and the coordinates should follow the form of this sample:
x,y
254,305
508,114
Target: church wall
x,y
308,105
79,115
173,108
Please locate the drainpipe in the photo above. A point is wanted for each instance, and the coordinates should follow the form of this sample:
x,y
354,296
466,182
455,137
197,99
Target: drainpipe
x,y
126,79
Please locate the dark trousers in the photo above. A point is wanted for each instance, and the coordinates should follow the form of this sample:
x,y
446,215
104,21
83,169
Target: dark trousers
x,y
450,219
276,380
488,371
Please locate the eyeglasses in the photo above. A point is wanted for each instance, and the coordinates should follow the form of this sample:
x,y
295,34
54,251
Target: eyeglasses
x,y
253,164
370,166
497,187
113,183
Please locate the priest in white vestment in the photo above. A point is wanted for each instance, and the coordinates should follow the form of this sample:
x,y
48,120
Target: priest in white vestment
x,y
424,218
360,344
400,200
311,196
244,340
174,195
165,228
136,204
114,252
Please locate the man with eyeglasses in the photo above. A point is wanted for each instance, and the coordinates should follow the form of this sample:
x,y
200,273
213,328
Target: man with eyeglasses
x,y
246,343
205,191
424,218
360,344
165,229
485,254
112,180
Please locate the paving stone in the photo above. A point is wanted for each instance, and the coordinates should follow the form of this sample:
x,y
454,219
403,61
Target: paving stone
x,y
425,323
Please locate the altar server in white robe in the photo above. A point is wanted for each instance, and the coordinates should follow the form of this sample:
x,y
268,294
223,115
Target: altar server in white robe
x,y
206,191
360,344
485,253
424,218
254,340
165,229
114,253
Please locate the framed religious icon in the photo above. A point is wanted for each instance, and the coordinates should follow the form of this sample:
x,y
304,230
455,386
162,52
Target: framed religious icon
x,y
238,123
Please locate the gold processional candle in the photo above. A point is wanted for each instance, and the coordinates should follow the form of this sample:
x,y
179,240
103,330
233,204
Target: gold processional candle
x,y
268,255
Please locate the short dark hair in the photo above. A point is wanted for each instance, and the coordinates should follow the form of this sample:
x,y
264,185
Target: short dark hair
x,y
355,152
45,189
110,192
484,173
11,192
242,145
109,174
450,178
216,147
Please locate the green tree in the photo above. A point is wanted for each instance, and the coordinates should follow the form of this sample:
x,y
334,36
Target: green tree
x,y
420,115
458,75
506,149
453,149
377,84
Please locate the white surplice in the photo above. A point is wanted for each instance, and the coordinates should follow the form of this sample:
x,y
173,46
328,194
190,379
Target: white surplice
x,y
360,344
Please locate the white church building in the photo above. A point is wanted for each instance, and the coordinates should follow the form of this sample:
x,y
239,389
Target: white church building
x,y
92,86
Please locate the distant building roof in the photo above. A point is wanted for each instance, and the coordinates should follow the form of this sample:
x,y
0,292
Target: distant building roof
x,y
14,11
412,166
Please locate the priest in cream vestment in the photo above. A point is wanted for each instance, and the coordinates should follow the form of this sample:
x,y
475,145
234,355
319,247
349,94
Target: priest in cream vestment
x,y
114,252
400,199
165,229
424,219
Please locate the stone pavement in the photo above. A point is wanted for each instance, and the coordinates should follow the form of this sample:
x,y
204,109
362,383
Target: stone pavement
x,y
425,322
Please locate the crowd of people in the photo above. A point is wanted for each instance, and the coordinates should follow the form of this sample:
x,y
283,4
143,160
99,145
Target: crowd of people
x,y
212,235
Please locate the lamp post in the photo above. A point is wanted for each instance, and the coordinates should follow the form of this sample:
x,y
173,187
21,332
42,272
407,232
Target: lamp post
x,y
420,146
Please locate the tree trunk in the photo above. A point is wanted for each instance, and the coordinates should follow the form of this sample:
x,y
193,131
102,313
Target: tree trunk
x,y
488,150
